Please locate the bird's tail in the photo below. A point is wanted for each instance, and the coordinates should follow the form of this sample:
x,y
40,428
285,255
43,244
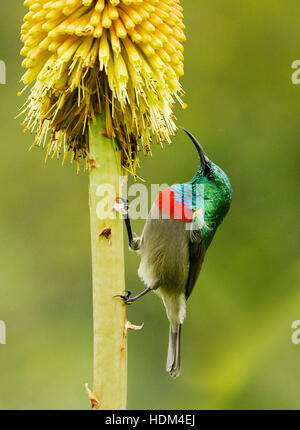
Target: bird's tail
x,y
173,360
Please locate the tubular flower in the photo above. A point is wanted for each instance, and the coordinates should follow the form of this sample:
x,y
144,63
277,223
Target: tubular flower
x,y
121,56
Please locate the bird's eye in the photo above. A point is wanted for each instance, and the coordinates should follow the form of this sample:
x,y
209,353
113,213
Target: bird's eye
x,y
208,172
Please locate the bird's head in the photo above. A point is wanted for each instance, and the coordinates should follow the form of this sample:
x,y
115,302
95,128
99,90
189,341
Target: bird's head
x,y
208,169
216,193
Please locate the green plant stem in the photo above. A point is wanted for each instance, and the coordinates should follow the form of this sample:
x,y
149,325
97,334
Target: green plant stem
x,y
110,340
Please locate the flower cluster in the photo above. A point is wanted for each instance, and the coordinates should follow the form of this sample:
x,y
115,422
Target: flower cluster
x,y
124,57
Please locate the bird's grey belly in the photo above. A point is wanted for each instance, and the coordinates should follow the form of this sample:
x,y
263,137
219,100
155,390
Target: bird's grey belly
x,y
164,250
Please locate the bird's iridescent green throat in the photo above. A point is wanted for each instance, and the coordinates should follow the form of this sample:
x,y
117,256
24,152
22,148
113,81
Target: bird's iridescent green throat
x,y
210,190
217,198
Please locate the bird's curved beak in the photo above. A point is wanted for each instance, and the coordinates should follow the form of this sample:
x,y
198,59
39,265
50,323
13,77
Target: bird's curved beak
x,y
203,157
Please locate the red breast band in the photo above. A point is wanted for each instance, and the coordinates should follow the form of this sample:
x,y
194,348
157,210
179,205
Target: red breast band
x,y
168,205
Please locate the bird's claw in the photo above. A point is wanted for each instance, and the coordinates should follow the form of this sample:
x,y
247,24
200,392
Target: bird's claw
x,y
123,199
126,297
121,206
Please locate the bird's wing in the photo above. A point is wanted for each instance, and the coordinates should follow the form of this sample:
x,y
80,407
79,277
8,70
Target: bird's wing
x,y
196,257
196,248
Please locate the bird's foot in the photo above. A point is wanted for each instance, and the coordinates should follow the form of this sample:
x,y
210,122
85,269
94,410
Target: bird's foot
x,y
127,297
128,300
121,206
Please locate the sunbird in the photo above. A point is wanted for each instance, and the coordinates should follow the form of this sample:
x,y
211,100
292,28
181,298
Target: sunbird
x,y
178,231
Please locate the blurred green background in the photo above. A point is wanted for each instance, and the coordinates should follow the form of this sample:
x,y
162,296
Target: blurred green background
x,y
237,349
